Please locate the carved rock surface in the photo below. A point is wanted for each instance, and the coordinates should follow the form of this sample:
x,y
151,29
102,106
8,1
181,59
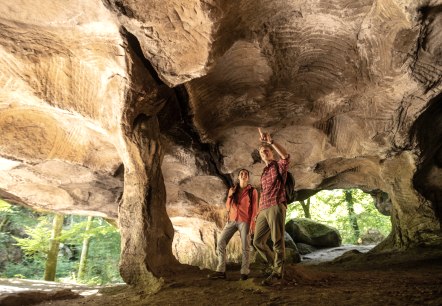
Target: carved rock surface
x,y
352,89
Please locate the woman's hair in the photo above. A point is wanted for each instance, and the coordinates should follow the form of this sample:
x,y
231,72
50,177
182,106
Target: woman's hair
x,y
235,196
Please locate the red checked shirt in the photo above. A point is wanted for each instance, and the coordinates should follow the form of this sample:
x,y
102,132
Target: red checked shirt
x,y
246,210
272,189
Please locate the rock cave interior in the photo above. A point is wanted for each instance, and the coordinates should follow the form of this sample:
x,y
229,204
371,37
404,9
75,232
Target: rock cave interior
x,y
142,113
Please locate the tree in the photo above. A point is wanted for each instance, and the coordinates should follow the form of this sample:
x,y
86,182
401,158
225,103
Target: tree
x,y
103,252
5,209
36,244
85,249
351,214
51,261
306,208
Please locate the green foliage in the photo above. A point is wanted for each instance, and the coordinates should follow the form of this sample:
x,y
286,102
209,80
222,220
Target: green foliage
x,y
77,231
5,206
104,253
31,232
4,238
37,242
294,210
329,207
66,269
29,268
104,256
13,219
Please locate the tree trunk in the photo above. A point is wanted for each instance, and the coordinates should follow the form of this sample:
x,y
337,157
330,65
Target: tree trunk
x,y
352,215
85,249
306,208
4,223
51,261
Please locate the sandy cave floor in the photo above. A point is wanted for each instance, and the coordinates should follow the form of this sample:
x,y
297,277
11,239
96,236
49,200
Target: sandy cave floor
x,y
412,278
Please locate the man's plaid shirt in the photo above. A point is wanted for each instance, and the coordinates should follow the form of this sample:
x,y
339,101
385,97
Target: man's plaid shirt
x,y
272,189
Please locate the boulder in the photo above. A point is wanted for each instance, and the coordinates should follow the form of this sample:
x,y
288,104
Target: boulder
x,y
371,236
292,254
305,248
313,233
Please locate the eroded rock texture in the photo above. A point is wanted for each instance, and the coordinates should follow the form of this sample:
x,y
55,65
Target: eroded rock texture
x,y
127,109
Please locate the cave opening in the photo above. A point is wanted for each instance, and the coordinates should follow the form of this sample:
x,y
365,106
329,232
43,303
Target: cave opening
x,y
360,218
66,248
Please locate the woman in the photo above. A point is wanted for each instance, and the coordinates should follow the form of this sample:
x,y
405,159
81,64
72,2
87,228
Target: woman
x,y
242,205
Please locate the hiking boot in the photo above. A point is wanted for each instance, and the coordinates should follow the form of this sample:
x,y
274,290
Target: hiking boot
x,y
217,275
244,277
271,280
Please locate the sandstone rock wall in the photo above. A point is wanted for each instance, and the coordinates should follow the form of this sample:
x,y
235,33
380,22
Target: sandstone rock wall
x,y
121,108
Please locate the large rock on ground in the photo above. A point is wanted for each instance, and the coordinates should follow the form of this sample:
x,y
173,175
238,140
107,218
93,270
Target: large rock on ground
x,y
313,233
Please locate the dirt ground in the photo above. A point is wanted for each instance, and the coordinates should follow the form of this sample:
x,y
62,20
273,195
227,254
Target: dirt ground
x,y
412,278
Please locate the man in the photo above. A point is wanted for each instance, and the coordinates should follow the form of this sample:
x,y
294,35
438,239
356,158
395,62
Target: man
x,y
242,205
272,207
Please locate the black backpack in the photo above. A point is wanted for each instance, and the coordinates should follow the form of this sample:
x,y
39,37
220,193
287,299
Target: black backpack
x,y
290,192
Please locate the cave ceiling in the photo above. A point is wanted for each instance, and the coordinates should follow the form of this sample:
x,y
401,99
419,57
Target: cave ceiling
x,y
339,83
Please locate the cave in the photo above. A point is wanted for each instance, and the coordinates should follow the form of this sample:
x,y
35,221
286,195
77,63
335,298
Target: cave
x,y
143,112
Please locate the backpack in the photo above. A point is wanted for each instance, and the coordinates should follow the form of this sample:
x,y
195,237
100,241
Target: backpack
x,y
290,192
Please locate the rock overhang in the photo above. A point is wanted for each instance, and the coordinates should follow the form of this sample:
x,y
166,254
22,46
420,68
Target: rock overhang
x,y
338,83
